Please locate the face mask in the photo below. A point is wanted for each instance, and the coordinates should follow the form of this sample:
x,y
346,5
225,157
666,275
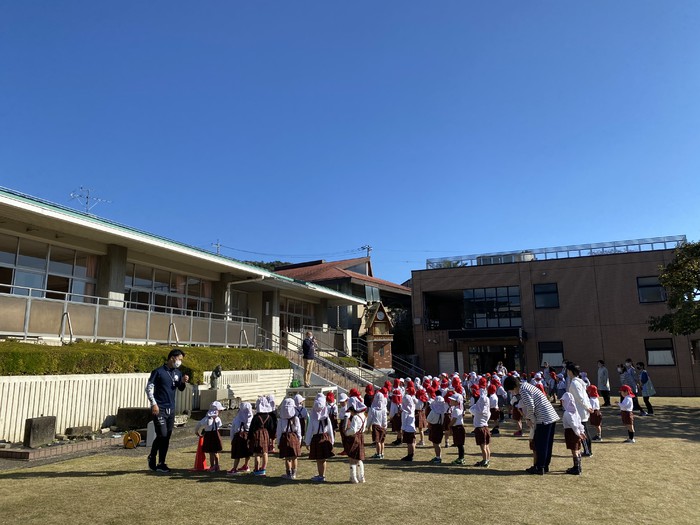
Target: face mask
x,y
177,363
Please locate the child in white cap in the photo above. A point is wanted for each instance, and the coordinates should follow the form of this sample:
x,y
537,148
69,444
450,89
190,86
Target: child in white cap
x,y
436,428
262,431
408,425
289,437
209,427
481,412
239,439
377,421
457,426
354,430
301,412
320,437
343,414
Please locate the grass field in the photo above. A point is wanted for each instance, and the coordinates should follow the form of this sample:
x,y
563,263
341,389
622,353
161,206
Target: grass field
x,y
655,480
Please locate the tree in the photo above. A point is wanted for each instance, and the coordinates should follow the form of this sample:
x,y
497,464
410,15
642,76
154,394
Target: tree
x,y
681,280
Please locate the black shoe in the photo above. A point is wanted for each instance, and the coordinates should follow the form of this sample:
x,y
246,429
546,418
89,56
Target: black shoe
x,y
587,454
546,470
574,470
495,432
539,471
151,462
407,458
163,468
396,443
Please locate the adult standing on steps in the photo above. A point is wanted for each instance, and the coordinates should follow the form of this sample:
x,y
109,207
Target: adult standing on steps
x,y
160,391
308,349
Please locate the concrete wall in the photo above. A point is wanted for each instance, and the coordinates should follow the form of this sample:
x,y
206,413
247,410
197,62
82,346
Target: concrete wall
x,y
90,399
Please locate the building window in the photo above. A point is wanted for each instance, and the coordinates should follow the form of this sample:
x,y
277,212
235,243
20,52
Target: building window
x,y
295,314
551,352
650,290
659,352
371,294
492,307
546,295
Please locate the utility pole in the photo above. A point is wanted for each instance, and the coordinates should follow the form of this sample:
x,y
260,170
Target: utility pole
x,y
217,244
366,247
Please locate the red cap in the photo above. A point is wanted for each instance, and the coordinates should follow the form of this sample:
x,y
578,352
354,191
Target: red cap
x,y
627,390
330,397
354,392
491,390
592,391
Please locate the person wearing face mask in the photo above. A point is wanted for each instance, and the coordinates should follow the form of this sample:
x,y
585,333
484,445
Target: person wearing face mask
x,y
160,390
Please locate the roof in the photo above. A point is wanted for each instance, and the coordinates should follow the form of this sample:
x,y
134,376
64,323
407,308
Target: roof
x,y
45,215
320,271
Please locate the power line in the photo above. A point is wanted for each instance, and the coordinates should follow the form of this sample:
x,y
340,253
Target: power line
x,y
286,255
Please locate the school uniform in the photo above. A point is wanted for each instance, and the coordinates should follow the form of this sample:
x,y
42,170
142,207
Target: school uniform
x,y
573,427
376,418
210,425
319,435
596,418
627,410
457,426
482,412
356,437
239,432
289,437
438,413
408,420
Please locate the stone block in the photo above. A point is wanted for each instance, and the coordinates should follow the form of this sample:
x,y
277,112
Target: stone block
x,y
39,431
207,397
76,432
133,418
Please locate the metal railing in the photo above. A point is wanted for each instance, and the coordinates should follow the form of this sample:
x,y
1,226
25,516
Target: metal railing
x,y
332,364
30,314
401,366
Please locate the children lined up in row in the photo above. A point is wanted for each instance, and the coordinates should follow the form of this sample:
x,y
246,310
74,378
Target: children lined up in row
x,y
436,405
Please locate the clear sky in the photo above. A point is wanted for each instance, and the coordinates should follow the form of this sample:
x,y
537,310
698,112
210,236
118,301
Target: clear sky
x,y
307,129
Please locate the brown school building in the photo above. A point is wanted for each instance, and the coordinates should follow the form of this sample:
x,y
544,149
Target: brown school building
x,y
579,303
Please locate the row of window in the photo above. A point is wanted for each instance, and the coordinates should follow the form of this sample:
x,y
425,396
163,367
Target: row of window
x,y
649,290
659,352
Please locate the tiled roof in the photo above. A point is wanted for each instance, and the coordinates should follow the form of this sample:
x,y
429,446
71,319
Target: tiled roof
x,y
334,270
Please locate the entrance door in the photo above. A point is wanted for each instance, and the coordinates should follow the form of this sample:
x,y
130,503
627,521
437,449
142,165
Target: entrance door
x,y
484,359
446,362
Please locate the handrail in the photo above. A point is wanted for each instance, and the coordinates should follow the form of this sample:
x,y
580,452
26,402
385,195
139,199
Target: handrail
x,y
66,315
362,375
401,366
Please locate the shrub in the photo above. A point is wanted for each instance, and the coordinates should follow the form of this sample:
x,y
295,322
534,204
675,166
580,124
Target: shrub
x,y
18,358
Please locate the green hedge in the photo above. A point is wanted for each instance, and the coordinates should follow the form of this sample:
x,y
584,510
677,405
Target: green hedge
x,y
94,358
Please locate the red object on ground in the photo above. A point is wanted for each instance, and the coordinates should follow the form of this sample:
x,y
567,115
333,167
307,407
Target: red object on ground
x,y
200,459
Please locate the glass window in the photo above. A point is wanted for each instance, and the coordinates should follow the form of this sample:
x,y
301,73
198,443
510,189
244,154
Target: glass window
x,y
27,279
551,352
129,276
143,277
659,352
546,295
61,260
32,254
5,279
650,290
8,249
161,281
194,287
492,307
371,293
86,265
57,287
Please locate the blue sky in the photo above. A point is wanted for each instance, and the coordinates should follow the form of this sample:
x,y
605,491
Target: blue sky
x,y
304,130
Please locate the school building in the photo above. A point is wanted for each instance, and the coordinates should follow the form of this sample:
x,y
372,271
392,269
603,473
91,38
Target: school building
x,y
580,303
67,275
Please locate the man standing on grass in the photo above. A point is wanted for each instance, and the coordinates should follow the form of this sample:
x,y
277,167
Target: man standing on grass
x,y
160,391
308,349
537,409
604,382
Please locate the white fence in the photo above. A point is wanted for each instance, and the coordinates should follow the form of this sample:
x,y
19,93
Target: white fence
x,y
90,400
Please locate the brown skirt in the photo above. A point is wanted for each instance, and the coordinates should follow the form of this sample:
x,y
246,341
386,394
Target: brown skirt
x,y
517,414
290,446
572,439
436,433
408,438
596,418
321,447
239,446
446,422
356,446
378,434
396,423
495,414
259,443
627,417
458,435
421,421
212,442
482,436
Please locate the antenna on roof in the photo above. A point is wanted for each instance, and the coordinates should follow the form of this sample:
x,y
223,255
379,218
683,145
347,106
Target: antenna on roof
x,y
217,244
366,247
83,195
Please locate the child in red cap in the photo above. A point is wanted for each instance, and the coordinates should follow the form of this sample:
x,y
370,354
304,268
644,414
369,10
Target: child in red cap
x,y
627,411
596,418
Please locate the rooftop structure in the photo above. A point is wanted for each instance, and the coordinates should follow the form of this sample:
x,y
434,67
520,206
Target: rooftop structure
x,y
559,252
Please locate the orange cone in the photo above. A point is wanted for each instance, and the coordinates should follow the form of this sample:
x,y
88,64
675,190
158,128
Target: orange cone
x,y
200,459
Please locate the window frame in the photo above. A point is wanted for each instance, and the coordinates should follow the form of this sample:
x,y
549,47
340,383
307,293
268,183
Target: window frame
x,y
556,347
669,348
537,294
650,287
